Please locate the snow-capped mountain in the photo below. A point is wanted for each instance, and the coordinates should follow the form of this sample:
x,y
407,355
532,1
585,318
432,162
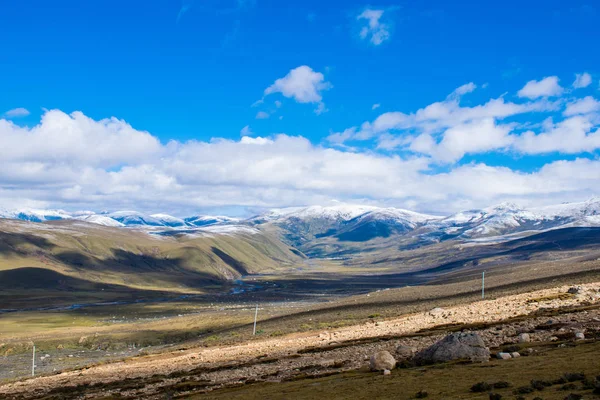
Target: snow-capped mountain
x,y
168,220
99,220
344,212
35,215
133,218
344,222
205,220
119,218
354,223
508,218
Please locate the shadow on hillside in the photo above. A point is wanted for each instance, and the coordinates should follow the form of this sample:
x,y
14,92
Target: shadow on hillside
x,y
239,266
13,244
172,270
32,288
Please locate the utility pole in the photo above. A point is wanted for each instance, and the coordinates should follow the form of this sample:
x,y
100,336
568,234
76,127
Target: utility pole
x,y
33,362
483,285
255,316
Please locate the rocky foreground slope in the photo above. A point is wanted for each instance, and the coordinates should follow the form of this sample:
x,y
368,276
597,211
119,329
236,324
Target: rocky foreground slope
x,y
552,317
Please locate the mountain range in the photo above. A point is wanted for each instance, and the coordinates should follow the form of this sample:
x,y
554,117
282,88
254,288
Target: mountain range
x,y
153,252
353,223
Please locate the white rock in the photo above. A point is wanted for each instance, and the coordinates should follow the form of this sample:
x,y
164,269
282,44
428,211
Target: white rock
x,y
524,338
382,360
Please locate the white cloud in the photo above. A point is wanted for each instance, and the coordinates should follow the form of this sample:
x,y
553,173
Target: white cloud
x,y
464,89
546,87
246,131
257,140
16,113
573,135
321,108
74,162
375,106
438,116
341,137
373,30
468,138
77,140
582,80
303,85
262,115
446,131
586,105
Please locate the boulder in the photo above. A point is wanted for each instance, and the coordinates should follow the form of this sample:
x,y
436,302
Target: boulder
x,y
456,346
405,352
515,354
524,338
503,356
387,372
382,360
575,290
579,336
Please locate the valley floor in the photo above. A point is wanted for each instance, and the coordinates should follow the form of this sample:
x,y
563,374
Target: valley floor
x,y
338,351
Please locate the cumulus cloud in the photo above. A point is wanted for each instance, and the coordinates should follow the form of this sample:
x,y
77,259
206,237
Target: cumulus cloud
x,y
303,85
546,87
16,113
586,105
374,30
582,80
573,135
439,116
446,131
77,139
375,106
472,137
74,162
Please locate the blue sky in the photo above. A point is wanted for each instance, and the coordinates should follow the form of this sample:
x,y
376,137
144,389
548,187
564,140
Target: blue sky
x,y
195,70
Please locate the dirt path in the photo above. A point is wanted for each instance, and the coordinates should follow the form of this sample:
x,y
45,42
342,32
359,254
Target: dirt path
x,y
287,346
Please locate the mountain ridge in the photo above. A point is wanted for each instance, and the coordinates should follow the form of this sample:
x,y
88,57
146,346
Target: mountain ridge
x,y
349,222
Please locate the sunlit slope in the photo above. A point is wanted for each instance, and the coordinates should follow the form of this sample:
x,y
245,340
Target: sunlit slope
x,y
138,259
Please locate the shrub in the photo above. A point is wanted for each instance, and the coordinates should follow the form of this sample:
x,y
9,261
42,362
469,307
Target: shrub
x,y
501,385
421,394
495,396
524,390
559,381
481,387
574,376
589,384
539,384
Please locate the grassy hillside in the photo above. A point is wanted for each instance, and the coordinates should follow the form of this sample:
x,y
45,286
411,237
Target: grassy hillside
x,y
81,257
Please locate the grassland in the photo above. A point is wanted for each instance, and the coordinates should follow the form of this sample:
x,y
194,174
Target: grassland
x,y
446,381
69,262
